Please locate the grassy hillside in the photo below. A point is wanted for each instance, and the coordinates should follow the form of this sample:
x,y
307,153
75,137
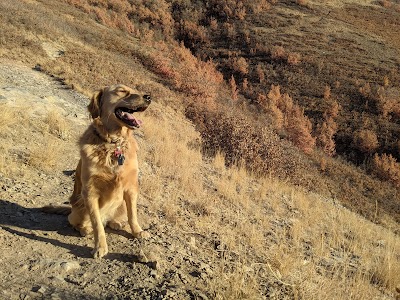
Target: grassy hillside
x,y
270,119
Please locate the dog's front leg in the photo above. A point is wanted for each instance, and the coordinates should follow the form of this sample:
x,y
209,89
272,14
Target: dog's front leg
x,y
130,197
92,205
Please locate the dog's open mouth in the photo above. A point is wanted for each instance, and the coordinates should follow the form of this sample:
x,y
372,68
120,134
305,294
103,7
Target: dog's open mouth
x,y
126,115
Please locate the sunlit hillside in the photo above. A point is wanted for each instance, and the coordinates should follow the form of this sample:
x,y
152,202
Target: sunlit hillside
x,y
269,156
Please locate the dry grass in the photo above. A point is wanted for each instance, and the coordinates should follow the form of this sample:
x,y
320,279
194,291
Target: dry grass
x,y
27,142
57,124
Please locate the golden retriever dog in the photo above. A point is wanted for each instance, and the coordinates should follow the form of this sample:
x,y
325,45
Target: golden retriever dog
x,y
106,181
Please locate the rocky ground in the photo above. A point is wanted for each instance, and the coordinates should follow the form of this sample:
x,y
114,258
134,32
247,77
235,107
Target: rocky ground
x,y
42,257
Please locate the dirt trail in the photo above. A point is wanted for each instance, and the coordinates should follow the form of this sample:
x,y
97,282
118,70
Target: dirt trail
x,y
42,257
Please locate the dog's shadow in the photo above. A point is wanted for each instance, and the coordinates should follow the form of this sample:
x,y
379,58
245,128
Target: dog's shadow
x,y
14,218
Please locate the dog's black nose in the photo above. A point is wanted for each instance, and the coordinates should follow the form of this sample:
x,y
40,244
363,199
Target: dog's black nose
x,y
147,98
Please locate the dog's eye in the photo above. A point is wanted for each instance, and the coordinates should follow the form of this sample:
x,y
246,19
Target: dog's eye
x,y
121,92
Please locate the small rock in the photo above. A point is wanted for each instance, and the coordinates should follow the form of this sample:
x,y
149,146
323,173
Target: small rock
x,y
71,265
39,289
55,297
155,265
57,279
192,242
142,257
154,274
24,297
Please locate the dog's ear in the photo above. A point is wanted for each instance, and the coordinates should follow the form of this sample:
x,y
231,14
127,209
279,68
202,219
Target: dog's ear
x,y
94,106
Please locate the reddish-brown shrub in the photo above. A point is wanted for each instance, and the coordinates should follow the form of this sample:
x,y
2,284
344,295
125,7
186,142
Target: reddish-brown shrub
x,y
333,109
365,140
327,92
234,90
298,127
260,73
302,2
192,34
258,6
213,24
241,66
385,3
326,135
299,130
240,139
294,58
245,84
278,52
386,167
388,101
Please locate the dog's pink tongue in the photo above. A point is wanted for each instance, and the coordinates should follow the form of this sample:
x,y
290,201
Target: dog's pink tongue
x,y
132,119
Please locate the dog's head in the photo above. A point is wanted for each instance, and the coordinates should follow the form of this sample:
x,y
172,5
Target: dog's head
x,y
118,103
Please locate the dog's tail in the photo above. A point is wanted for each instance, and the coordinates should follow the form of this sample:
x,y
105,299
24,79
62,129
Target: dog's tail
x,y
57,209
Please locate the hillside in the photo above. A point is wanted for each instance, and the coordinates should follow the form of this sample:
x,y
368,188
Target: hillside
x,y
268,158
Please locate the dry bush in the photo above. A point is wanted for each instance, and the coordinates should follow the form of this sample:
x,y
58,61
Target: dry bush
x,y
388,101
385,3
294,58
299,130
241,140
260,73
298,127
326,135
8,118
278,52
184,72
302,2
365,140
258,6
327,92
192,34
240,65
234,89
45,156
57,124
386,167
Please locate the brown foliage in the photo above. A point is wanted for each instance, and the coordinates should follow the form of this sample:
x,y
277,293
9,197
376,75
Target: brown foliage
x,y
294,58
185,72
387,168
366,141
260,73
278,52
240,140
241,66
388,101
326,135
234,89
298,127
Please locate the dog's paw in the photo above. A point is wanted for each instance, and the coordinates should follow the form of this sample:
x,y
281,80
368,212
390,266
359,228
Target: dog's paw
x,y
116,225
141,235
99,252
86,231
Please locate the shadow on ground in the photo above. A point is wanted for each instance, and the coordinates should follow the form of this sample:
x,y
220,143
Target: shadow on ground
x,y
24,222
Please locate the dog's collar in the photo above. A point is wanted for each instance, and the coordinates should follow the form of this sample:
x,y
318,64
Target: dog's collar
x,y
105,139
118,152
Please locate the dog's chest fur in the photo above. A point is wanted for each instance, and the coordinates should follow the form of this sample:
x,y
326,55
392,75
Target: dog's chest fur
x,y
106,156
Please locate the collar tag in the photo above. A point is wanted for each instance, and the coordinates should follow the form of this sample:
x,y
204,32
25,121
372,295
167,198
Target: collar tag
x,y
118,152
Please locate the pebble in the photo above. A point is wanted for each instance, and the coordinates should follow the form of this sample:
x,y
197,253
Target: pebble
x,y
40,289
71,265
154,274
142,257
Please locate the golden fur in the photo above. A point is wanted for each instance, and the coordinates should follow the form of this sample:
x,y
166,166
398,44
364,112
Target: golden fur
x,y
106,191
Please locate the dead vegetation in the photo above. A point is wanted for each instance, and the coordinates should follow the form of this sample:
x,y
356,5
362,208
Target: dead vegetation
x,y
228,164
